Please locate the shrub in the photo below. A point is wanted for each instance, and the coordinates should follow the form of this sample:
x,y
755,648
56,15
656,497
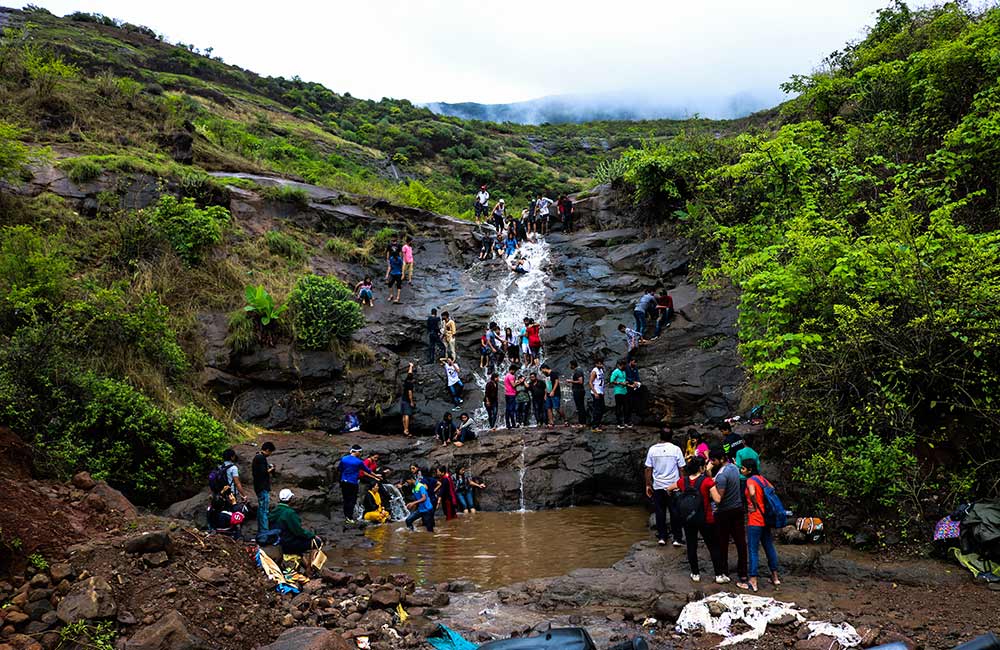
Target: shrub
x,y
419,196
323,309
242,331
285,245
286,194
33,275
382,238
189,229
81,170
198,438
340,247
13,153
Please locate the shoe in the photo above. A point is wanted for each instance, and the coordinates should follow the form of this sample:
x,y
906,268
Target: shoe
x,y
695,577
721,580
629,426
411,528
350,521
662,542
620,427
678,544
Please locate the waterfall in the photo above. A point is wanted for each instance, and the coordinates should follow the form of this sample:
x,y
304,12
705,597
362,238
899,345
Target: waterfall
x,y
397,504
521,473
519,295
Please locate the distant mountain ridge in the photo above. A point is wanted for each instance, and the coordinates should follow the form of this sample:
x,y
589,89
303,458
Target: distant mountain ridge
x,y
558,109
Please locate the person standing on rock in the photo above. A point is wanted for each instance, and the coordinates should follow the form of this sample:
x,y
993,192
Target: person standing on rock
x,y
499,216
537,389
510,397
512,344
523,401
450,330
233,474
482,202
408,260
553,395
261,470
455,385
758,532
352,470
491,400
534,333
664,311
566,212
664,462
633,384
732,442
407,403
694,494
394,274
529,218
729,515
641,311
619,387
596,385
421,505
434,337
577,384
542,205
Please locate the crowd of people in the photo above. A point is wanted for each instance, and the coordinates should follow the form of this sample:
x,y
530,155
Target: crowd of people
x,y
716,492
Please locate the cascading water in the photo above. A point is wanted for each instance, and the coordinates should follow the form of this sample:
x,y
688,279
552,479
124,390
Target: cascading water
x,y
397,504
519,295
520,475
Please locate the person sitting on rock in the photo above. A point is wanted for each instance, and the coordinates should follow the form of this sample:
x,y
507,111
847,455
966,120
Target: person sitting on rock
x,y
295,540
372,502
445,430
465,431
364,290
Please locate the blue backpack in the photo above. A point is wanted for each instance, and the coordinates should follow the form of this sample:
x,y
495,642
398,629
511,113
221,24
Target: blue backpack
x,y
774,509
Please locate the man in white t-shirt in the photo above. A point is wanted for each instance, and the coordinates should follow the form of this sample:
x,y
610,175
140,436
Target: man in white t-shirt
x,y
455,385
482,202
664,461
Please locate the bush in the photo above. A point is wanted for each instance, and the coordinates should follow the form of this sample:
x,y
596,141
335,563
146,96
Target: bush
x,y
81,170
286,194
13,153
189,229
33,275
419,196
323,309
286,246
242,332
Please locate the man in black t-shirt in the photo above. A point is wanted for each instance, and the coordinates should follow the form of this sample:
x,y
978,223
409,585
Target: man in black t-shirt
x,y
731,442
407,404
261,470
537,389
434,337
577,384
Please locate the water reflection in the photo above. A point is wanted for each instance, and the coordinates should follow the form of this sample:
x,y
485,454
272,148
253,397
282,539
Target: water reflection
x,y
499,548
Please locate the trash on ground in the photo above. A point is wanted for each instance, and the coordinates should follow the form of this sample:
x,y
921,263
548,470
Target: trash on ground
x,y
754,611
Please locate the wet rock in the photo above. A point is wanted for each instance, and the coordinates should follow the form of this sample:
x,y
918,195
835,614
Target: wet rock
x,y
668,606
39,580
92,598
384,598
375,619
152,542
16,618
461,586
169,633
83,481
38,609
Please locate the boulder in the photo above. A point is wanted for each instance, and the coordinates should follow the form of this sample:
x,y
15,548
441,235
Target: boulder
x,y
89,599
104,498
384,598
83,481
152,542
168,633
213,575
60,571
668,606
309,638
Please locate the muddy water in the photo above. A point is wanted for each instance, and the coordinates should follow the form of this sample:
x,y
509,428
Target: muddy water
x,y
499,548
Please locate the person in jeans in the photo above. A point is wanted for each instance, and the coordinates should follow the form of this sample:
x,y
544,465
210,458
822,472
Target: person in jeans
x,y
466,485
261,470
510,397
434,336
422,506
758,532
664,462
352,470
633,383
664,312
455,385
729,515
450,330
703,521
619,386
596,384
576,384
642,309
407,403
491,402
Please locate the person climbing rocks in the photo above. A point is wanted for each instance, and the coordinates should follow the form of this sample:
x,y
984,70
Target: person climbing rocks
x,y
664,462
466,431
634,384
553,395
641,312
421,505
664,311
434,337
394,275
694,495
729,515
352,470
491,402
408,260
566,212
261,470
445,430
537,389
455,385
365,292
482,202
510,397
579,391
596,385
450,329
407,402
633,340
295,540
499,215
542,205
619,387
758,532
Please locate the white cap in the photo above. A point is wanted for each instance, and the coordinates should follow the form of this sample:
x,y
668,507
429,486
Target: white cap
x,y
285,495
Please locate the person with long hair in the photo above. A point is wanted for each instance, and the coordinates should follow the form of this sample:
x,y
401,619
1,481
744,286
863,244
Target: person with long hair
x,y
758,532
696,484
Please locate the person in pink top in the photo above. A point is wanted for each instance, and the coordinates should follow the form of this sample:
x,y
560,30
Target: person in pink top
x,y
408,260
510,397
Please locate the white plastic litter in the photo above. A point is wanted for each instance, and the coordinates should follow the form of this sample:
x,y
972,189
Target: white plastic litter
x,y
844,633
754,611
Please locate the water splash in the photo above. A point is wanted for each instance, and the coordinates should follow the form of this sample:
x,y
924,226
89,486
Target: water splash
x,y
397,504
519,295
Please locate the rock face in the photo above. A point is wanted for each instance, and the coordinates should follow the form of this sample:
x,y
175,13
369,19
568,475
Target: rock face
x,y
89,599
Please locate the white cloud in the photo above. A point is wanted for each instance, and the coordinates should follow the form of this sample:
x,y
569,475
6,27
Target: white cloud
x,y
490,51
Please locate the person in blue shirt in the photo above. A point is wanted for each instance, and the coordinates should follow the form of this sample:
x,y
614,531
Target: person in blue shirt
x,y
352,470
510,245
422,505
394,274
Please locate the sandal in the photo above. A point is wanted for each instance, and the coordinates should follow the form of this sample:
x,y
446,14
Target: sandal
x,y
776,582
742,585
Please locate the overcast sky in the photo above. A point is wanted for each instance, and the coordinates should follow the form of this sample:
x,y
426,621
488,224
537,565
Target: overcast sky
x,y
510,50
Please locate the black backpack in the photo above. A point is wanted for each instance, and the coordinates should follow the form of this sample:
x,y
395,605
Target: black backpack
x,y
690,503
217,479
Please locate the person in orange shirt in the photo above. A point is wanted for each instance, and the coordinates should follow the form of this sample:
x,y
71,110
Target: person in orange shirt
x,y
758,532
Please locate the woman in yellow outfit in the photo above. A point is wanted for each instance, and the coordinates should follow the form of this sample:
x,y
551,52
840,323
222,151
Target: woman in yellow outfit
x,y
374,510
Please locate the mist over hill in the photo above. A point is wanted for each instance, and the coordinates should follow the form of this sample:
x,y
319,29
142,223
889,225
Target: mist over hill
x,y
634,105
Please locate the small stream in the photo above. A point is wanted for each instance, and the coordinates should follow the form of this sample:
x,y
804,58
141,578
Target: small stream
x,y
493,549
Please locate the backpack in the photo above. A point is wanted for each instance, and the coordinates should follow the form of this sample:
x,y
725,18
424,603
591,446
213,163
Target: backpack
x,y
217,480
690,503
774,510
